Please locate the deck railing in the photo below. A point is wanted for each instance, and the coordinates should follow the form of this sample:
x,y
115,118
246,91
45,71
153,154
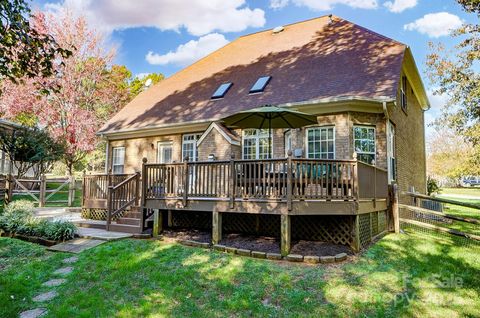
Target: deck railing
x,y
122,196
269,179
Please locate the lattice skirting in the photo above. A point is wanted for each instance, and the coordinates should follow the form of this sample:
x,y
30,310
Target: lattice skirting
x,y
371,224
335,229
254,224
191,220
97,214
94,214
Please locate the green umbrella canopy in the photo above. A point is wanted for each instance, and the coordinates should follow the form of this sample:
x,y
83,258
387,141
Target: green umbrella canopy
x,y
267,117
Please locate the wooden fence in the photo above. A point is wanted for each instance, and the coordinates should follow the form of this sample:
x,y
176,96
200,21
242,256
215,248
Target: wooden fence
x,y
40,191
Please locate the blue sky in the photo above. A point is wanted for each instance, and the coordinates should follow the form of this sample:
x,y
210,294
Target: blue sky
x,y
178,32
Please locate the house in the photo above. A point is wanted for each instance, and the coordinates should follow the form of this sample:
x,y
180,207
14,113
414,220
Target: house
x,y
363,87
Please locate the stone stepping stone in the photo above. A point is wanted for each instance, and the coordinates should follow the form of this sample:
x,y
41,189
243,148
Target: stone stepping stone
x,y
34,313
76,245
45,296
70,260
64,270
54,282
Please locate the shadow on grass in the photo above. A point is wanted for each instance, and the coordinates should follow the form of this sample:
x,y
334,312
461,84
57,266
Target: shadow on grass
x,y
398,276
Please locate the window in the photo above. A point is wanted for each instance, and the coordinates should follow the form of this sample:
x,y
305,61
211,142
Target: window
x,y
118,160
260,84
189,146
403,95
221,90
256,144
288,142
364,143
321,142
164,152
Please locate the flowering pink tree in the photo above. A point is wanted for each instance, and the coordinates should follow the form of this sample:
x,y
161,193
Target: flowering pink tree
x,y
81,96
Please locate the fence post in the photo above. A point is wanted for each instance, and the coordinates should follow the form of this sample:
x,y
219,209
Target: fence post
x,y
186,181
289,181
71,191
43,189
9,185
83,188
395,209
233,181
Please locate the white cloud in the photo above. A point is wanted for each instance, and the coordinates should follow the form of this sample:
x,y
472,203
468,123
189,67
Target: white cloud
x,y
199,17
435,24
324,5
189,52
398,6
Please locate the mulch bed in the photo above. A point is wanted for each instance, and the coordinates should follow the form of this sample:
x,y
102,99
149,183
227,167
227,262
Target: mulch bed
x,y
317,248
254,243
188,234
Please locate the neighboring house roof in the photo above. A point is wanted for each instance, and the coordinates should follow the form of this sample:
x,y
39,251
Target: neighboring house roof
x,y
309,61
231,137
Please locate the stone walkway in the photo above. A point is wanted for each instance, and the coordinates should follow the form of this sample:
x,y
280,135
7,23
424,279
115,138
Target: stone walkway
x,y
51,294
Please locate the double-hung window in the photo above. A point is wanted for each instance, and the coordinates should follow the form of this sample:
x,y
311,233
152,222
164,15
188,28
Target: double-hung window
x,y
321,142
364,143
256,144
118,160
165,150
189,146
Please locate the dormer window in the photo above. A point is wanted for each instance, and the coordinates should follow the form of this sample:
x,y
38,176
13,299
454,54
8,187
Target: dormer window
x,y
260,84
221,90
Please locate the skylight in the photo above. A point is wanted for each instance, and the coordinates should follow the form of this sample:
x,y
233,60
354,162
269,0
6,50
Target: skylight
x,y
260,84
221,90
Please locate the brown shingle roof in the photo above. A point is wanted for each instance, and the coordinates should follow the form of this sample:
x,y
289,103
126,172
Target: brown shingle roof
x,y
309,60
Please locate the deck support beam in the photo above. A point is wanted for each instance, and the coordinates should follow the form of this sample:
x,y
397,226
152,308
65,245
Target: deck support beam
x,y
169,218
157,223
356,246
285,234
216,227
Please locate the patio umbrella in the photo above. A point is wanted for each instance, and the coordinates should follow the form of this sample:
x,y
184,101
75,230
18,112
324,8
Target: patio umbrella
x,y
268,117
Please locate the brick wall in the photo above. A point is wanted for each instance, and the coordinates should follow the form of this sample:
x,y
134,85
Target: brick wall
x,y
410,143
214,143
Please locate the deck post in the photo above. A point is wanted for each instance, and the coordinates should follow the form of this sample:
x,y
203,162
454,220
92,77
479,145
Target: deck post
x,y
289,181
356,245
395,209
109,199
43,189
186,181
233,181
285,233
216,227
157,223
169,218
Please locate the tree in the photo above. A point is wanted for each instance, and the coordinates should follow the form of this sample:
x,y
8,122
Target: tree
x,y
455,74
25,49
137,85
28,148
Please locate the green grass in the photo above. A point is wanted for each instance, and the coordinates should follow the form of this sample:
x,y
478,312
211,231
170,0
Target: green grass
x,y
472,191
398,277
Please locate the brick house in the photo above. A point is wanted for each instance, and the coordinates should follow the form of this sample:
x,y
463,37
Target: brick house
x,y
363,87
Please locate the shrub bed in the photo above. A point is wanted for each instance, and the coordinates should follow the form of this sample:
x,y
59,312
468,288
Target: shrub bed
x,y
18,220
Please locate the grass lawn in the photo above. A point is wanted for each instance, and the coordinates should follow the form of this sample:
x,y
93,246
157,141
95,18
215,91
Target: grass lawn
x,y
472,191
402,275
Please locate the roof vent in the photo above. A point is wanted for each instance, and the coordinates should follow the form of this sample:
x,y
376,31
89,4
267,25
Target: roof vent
x,y
278,29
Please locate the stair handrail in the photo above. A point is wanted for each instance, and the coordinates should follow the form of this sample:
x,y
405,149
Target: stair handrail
x,y
112,189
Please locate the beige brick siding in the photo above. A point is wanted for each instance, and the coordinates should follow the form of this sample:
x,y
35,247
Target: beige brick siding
x,y
216,144
410,144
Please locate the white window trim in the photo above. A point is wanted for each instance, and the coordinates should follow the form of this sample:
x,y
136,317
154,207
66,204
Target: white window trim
x,y
194,142
334,139
257,144
161,144
374,153
113,158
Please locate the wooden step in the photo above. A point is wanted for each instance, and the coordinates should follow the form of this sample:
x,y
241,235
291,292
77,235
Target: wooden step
x,y
125,228
92,224
129,221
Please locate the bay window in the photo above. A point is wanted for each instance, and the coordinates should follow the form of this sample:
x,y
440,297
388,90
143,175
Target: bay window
x,y
364,143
